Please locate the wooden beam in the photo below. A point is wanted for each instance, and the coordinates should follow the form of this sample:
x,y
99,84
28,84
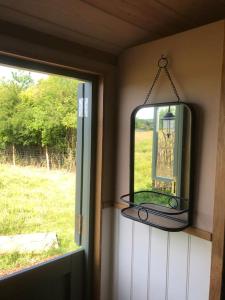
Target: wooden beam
x,y
218,249
36,37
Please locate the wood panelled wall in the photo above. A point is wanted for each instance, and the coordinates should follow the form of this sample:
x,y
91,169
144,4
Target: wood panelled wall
x,y
150,264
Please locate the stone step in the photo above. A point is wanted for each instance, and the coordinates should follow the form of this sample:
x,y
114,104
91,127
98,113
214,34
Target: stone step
x,y
27,243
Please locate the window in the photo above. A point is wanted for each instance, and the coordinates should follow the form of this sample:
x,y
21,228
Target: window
x,y
157,156
166,155
44,149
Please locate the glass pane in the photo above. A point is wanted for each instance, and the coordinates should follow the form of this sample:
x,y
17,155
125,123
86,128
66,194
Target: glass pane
x,y
144,123
38,128
162,148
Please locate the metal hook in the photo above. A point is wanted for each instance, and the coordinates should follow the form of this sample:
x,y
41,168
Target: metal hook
x,y
162,64
163,61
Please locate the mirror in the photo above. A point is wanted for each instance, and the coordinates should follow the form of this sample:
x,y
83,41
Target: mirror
x,y
161,154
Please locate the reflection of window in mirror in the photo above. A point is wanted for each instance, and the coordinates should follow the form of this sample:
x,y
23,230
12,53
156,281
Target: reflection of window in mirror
x,y
158,148
166,154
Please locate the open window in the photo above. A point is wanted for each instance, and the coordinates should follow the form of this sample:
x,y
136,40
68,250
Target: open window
x,y
45,167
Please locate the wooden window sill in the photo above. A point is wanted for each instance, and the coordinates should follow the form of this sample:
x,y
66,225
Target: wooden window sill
x,y
203,234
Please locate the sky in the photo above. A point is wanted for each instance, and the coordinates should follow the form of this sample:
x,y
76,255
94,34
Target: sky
x,y
145,113
5,72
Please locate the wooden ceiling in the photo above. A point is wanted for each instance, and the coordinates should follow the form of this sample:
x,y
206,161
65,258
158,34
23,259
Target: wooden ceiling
x,y
111,25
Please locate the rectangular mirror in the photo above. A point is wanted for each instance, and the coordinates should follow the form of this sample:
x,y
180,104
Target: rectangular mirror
x,y
161,154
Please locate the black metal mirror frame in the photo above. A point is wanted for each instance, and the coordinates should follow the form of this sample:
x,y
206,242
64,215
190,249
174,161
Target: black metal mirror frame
x,y
132,155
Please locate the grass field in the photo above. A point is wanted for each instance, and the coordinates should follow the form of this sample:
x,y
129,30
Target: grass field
x,y
143,169
143,160
36,200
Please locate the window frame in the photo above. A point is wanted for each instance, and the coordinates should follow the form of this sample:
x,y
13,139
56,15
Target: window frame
x,y
177,150
89,242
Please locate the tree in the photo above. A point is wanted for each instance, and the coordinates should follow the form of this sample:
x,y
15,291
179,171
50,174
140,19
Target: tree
x,y
52,122
9,99
41,114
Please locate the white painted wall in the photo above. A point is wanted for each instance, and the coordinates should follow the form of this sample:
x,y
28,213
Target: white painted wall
x,y
150,264
195,63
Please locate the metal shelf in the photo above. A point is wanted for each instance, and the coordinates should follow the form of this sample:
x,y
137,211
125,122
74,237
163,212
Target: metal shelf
x,y
168,217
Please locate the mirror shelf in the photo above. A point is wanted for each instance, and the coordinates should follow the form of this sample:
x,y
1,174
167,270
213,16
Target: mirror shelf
x,y
167,217
160,166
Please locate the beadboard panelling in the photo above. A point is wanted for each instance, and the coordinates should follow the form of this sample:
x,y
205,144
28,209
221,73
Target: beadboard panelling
x,y
125,242
150,264
158,264
200,261
106,257
115,260
140,262
178,265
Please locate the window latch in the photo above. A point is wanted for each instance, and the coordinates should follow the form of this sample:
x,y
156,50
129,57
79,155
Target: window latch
x,y
83,107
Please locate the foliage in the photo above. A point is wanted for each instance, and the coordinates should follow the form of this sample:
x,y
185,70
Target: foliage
x,y
41,114
144,124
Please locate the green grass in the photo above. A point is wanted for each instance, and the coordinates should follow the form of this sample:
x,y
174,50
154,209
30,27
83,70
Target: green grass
x,y
36,200
143,169
143,160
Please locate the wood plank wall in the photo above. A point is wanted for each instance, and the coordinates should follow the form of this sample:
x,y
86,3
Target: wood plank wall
x,y
150,264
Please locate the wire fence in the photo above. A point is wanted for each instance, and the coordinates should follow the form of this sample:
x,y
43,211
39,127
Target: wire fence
x,y
39,157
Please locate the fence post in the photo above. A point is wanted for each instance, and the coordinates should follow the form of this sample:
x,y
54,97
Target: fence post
x,y
47,157
14,154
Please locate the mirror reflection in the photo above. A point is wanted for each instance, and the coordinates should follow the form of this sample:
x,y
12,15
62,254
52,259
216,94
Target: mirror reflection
x,y
162,149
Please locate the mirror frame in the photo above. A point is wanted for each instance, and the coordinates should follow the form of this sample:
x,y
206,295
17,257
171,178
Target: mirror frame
x,y
132,148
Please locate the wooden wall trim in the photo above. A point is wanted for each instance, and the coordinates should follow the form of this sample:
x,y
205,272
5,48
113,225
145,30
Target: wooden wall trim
x,y
218,249
203,234
36,37
96,284
120,205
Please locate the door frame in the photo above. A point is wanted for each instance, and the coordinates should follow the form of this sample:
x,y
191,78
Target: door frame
x,y
92,280
217,276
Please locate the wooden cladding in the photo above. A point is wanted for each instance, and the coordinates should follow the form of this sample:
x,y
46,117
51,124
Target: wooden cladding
x,y
110,26
36,37
162,17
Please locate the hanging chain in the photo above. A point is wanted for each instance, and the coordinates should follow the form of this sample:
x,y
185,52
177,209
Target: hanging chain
x,y
153,84
162,64
172,83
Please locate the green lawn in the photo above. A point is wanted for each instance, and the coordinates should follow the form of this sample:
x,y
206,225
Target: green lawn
x,y
36,200
143,169
143,160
